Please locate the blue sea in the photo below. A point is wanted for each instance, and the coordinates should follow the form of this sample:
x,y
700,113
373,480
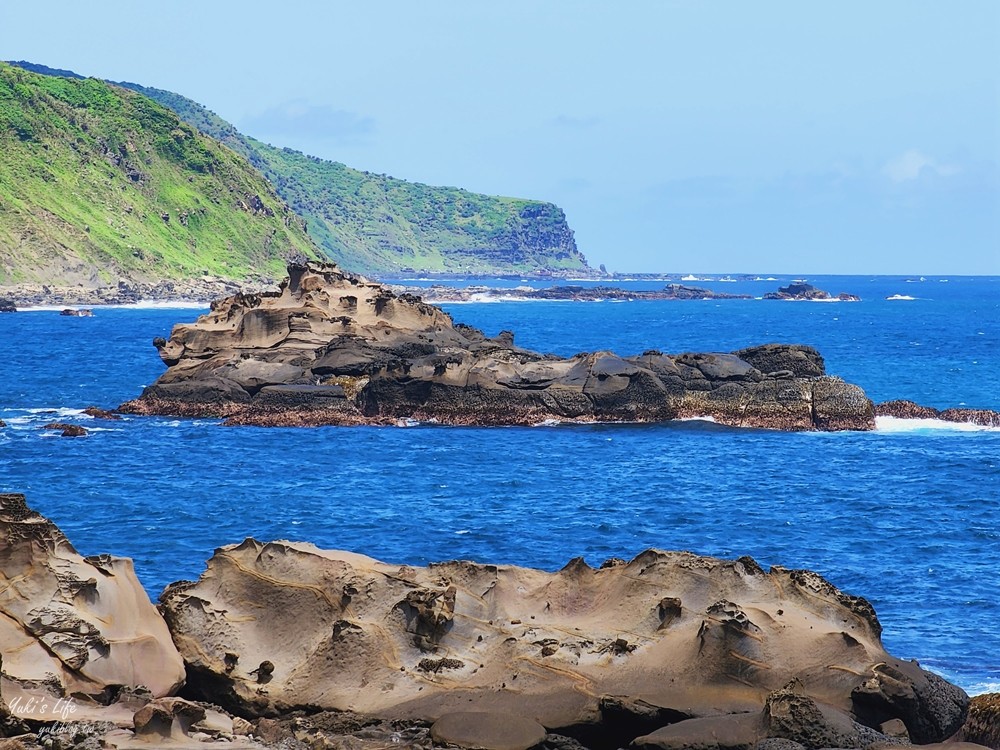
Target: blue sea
x,y
908,516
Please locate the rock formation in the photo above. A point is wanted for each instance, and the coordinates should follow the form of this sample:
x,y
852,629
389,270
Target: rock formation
x,y
667,638
313,648
803,291
333,348
439,293
903,409
72,625
983,724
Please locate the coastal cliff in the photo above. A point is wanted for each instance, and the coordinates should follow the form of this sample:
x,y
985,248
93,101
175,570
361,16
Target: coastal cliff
x,y
334,348
102,187
376,224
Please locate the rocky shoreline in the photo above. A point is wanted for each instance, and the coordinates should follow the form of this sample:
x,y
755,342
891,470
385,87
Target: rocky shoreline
x,y
333,348
286,645
127,292
208,289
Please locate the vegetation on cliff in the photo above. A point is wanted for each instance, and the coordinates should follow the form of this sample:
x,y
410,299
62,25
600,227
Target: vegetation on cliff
x,y
372,223
99,183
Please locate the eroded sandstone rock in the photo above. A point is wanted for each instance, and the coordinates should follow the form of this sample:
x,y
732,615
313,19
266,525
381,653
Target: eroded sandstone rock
x,y
74,625
333,348
666,637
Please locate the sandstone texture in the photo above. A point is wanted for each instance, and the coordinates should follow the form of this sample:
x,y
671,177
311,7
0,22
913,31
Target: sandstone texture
x,y
333,348
666,639
71,625
288,646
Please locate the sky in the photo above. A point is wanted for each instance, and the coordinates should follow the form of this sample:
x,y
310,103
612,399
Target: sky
x,y
678,136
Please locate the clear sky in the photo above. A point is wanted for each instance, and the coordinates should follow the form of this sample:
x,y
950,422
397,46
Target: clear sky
x,y
793,137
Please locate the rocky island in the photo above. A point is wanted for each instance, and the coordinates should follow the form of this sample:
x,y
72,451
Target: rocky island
x,y
334,348
282,644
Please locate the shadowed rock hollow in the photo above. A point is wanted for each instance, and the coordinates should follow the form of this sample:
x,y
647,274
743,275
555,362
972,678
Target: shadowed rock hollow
x,y
333,348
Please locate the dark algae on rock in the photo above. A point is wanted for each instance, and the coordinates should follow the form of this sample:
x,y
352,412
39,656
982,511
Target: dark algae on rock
x,y
334,348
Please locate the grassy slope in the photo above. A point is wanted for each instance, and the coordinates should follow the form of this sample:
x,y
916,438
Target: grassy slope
x,y
98,183
377,224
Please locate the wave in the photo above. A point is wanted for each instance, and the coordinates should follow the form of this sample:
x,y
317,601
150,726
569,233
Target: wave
x,y
894,297
898,424
48,411
981,688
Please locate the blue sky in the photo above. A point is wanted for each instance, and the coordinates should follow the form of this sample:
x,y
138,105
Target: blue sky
x,y
791,137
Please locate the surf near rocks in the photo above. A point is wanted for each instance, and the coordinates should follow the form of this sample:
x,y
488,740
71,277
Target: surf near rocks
x,y
334,348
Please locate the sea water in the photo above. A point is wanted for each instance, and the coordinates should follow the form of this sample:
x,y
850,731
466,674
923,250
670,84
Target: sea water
x,y
907,516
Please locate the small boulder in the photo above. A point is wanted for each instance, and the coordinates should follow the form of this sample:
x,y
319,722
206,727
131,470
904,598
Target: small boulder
x,y
98,413
167,718
487,731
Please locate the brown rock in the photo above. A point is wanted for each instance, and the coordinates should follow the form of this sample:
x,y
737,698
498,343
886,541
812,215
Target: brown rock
x,y
487,731
167,719
983,724
75,625
333,348
98,413
345,632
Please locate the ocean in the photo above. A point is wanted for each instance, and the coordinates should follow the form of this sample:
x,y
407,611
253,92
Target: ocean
x,y
907,516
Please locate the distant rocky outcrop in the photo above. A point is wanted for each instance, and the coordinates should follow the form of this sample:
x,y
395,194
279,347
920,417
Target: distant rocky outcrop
x,y
904,409
72,625
439,293
803,291
334,348
7,306
670,638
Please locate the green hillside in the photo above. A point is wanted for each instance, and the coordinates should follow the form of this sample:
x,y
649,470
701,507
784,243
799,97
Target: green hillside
x,y
376,224
99,183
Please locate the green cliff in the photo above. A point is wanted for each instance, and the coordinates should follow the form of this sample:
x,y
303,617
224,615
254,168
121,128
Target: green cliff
x,y
99,183
374,224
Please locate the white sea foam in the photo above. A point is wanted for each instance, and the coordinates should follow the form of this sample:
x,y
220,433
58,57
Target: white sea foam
x,y
895,297
695,419
548,423
60,411
980,688
898,424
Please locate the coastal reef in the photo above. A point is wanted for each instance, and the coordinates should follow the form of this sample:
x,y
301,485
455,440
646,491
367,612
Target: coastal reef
x,y
334,348
287,645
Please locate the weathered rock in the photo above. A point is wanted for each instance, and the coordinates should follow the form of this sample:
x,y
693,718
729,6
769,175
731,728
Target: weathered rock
x,y
67,430
488,731
983,723
902,409
790,720
666,637
7,306
803,291
74,625
74,313
167,719
333,348
98,413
